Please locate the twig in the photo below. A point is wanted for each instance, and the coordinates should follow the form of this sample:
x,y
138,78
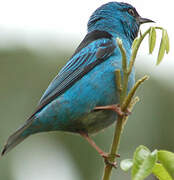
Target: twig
x,y
126,101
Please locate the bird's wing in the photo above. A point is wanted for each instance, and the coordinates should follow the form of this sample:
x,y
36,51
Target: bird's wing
x,y
79,65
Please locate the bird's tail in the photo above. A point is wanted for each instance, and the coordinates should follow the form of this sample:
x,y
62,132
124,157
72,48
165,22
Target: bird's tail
x,y
16,137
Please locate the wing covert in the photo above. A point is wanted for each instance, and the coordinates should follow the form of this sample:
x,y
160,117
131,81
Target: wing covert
x,y
79,65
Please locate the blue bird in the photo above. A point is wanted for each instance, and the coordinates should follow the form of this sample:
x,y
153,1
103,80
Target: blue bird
x,y
82,98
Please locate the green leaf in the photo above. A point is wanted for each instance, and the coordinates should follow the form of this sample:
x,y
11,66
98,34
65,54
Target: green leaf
x,y
162,48
143,163
134,44
160,172
166,158
152,39
167,42
126,164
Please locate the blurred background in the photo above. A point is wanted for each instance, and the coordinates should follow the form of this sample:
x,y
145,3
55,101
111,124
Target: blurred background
x,y
36,39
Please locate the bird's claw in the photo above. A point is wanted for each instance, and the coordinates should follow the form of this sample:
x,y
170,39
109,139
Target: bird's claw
x,y
127,113
118,110
106,157
108,162
113,164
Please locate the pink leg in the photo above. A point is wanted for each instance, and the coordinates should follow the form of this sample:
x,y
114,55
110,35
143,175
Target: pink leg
x,y
114,107
93,144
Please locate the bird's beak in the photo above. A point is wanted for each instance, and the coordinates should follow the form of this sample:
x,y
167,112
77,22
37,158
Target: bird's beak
x,y
144,20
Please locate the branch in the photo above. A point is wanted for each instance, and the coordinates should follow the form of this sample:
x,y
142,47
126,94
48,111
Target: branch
x,y
127,101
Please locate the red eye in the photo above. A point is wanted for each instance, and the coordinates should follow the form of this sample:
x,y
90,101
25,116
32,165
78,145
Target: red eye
x,y
131,12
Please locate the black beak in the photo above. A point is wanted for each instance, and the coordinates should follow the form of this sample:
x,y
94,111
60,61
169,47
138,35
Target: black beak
x,y
144,20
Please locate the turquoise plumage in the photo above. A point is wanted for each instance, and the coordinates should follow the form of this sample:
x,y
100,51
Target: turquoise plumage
x,y
87,81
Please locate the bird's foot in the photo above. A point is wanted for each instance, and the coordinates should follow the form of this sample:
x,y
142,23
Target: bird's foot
x,y
106,155
107,159
115,107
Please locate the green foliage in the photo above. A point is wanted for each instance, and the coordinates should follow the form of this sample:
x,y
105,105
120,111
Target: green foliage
x,y
152,39
160,172
145,163
164,46
126,164
167,159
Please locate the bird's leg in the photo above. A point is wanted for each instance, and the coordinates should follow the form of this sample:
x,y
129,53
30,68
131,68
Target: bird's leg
x,y
93,144
101,152
114,107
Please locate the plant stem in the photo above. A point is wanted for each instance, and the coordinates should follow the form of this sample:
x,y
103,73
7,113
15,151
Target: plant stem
x,y
129,97
125,100
122,89
114,148
135,50
129,102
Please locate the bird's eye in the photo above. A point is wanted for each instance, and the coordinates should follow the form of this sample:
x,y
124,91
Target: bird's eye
x,y
131,12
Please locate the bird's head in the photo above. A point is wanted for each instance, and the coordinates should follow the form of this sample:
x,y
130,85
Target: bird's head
x,y
118,19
